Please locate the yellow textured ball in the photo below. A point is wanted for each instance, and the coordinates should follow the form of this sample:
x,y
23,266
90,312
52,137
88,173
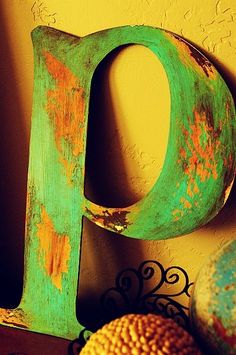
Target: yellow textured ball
x,y
141,334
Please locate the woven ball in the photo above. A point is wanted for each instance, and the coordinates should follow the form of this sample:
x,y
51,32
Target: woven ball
x,y
141,334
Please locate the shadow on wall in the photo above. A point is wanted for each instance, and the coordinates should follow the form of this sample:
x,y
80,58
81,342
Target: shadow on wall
x,y
13,168
107,183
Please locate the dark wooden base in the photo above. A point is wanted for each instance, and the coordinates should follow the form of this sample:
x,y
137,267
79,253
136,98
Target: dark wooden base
x,y
20,342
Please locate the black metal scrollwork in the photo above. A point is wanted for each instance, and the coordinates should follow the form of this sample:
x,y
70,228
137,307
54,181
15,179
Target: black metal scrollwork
x,y
132,292
149,289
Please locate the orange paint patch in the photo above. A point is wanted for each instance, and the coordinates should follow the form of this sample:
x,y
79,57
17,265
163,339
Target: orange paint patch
x,y
202,143
182,153
202,154
192,187
177,214
185,202
66,110
195,188
54,250
69,169
13,317
115,219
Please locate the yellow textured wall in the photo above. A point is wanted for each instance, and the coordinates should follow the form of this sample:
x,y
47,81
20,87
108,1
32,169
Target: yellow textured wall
x,y
134,104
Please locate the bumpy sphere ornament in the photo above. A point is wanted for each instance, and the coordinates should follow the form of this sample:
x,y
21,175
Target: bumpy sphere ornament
x,y
135,334
213,305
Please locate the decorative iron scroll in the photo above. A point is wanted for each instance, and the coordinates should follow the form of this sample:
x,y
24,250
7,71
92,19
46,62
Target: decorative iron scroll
x,y
132,295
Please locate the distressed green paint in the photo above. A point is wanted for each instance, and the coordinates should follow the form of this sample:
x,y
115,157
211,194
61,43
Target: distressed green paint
x,y
197,173
213,310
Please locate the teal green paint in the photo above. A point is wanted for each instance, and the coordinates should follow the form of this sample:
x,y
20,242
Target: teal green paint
x,y
64,67
213,308
224,300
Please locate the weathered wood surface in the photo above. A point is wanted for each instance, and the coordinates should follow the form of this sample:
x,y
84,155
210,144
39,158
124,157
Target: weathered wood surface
x,y
192,188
